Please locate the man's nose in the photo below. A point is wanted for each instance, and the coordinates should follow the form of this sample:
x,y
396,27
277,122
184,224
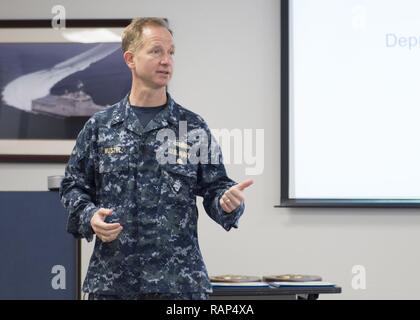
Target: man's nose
x,y
166,59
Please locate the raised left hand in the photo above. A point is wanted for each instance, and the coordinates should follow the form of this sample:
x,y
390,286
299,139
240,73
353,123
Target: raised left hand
x,y
234,196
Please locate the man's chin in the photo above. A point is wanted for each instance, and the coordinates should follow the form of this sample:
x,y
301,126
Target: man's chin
x,y
161,84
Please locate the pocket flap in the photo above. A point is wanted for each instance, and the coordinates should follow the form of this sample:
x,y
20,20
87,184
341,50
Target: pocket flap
x,y
113,162
187,170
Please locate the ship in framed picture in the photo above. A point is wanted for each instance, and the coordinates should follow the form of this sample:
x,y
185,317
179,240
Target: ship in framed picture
x,y
51,82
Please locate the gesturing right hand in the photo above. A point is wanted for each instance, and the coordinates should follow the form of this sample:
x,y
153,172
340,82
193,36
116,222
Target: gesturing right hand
x,y
107,232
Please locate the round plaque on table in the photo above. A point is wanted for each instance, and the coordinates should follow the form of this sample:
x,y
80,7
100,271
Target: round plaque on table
x,y
291,278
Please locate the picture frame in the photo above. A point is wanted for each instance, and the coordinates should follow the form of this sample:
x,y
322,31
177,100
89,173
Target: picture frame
x,y
40,64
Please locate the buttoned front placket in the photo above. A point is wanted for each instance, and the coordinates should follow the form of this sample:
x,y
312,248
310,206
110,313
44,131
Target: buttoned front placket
x,y
148,180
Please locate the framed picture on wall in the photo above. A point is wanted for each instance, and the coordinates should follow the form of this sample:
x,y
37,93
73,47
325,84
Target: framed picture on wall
x,y
52,80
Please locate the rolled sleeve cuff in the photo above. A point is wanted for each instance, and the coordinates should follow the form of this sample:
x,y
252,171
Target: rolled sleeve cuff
x,y
229,220
78,224
86,226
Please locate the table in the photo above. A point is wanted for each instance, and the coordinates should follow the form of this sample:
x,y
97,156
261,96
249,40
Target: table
x,y
270,293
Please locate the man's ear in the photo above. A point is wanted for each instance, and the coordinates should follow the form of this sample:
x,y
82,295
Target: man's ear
x,y
129,59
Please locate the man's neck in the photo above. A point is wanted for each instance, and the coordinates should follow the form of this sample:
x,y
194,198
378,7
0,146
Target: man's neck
x,y
147,97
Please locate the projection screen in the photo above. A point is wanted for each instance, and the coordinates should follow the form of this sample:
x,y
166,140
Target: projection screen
x,y
350,106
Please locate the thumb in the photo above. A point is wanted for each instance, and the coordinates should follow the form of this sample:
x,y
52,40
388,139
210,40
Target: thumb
x,y
245,184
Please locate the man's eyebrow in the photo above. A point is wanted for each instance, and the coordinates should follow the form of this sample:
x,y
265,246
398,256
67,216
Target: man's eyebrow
x,y
158,44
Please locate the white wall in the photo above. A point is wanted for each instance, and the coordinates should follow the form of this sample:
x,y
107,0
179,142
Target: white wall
x,y
227,70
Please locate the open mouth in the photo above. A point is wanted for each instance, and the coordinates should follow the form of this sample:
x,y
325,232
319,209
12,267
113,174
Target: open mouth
x,y
163,72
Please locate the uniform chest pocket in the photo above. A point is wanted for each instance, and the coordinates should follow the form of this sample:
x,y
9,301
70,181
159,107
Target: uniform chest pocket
x,y
113,162
180,177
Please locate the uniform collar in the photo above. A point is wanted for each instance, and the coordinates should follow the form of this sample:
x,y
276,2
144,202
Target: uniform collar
x,y
123,113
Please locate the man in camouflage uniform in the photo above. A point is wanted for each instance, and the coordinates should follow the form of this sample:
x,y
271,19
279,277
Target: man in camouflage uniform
x,y
133,184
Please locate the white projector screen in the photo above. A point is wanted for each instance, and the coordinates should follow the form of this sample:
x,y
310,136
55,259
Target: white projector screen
x,y
351,102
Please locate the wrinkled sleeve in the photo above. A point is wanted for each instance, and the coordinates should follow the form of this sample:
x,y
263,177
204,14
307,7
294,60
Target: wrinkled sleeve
x,y
77,190
212,182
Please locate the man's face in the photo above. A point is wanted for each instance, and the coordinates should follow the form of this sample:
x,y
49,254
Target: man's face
x,y
152,63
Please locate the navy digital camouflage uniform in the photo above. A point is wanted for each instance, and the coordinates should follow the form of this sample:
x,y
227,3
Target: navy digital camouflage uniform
x,y
114,165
